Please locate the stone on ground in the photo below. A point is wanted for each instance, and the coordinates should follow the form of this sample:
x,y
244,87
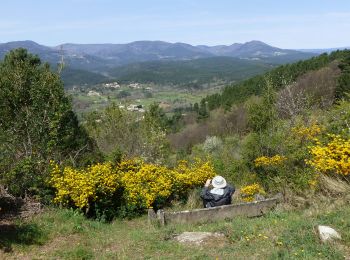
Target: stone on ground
x,y
197,238
327,233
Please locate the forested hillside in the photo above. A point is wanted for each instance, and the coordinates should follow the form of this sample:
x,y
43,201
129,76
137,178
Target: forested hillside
x,y
287,128
200,71
249,117
279,78
75,77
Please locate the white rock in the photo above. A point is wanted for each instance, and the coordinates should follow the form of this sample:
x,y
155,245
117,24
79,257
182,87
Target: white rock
x,y
327,233
196,237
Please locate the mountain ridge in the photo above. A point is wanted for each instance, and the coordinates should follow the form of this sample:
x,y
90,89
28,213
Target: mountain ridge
x,y
100,59
110,54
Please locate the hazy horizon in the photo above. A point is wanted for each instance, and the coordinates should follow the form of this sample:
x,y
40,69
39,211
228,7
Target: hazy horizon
x,y
293,25
93,43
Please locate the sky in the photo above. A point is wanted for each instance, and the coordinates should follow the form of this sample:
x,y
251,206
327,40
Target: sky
x,y
290,24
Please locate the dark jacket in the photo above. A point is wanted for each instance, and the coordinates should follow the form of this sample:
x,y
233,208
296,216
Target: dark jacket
x,y
214,200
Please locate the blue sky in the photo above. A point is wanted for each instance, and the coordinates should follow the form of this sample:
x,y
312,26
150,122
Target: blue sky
x,y
286,24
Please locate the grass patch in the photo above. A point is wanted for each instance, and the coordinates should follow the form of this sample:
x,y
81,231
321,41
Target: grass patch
x,y
20,235
66,234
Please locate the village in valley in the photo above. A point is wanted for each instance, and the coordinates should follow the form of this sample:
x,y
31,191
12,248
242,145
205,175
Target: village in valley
x,y
134,97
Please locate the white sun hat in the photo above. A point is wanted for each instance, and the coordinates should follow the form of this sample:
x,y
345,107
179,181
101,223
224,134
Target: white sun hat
x,y
219,182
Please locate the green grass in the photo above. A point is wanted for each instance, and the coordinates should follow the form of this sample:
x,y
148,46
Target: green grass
x,y
66,234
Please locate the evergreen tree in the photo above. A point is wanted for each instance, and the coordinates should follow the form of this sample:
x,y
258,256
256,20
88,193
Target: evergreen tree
x,y
196,107
343,86
261,115
203,111
36,123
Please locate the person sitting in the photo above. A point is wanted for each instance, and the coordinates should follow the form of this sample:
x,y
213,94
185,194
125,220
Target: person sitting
x,y
219,195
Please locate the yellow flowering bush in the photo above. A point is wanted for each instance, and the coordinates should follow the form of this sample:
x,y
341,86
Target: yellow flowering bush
x,y
313,183
248,192
189,176
307,132
333,157
82,187
146,184
132,183
269,161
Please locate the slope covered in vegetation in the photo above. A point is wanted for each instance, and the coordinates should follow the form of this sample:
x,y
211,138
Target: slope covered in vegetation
x,y
279,78
291,135
286,132
200,71
272,140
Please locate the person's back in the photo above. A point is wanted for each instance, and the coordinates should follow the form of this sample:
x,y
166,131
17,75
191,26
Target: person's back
x,y
220,195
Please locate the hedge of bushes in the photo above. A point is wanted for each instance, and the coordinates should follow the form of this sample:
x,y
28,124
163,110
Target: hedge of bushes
x,y
129,187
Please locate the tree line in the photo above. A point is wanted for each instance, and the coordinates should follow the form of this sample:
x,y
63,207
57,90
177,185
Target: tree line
x,y
278,77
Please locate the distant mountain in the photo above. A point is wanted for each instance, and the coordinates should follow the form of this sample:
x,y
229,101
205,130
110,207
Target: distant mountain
x,y
327,50
121,54
140,51
220,50
99,59
252,49
46,53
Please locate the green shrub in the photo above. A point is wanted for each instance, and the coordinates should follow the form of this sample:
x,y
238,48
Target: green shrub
x,y
36,123
26,176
